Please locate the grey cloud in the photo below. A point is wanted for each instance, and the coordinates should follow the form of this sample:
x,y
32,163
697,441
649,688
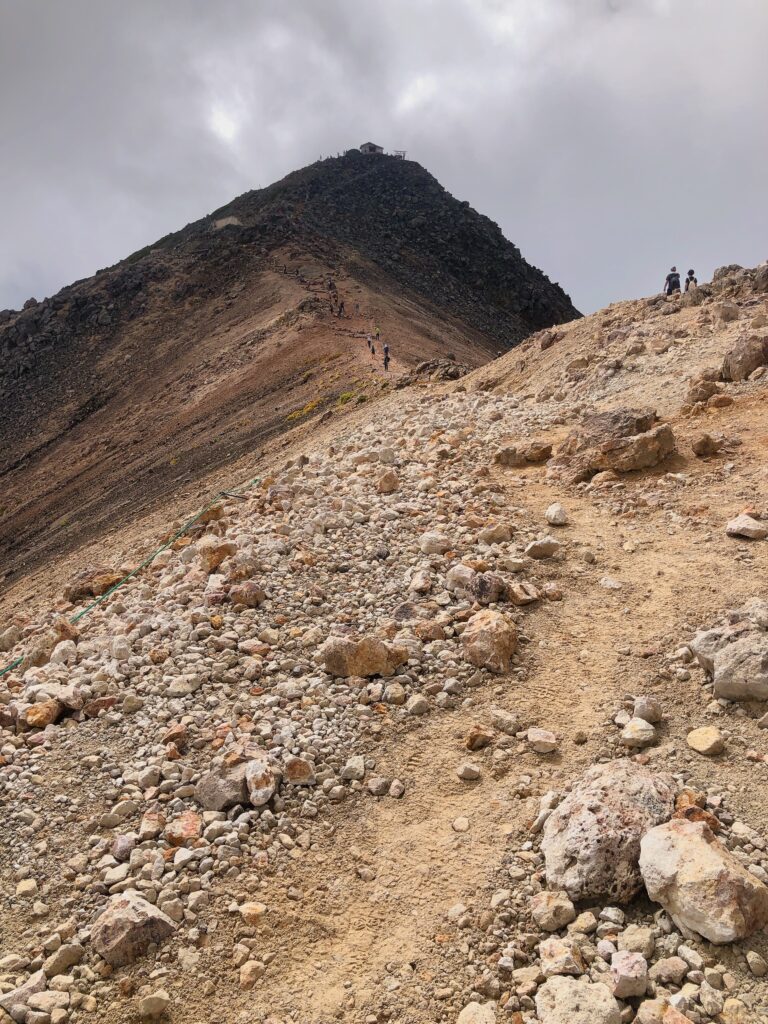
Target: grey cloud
x,y
608,138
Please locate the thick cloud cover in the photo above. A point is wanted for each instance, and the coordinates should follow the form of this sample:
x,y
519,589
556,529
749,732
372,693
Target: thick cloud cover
x,y
608,138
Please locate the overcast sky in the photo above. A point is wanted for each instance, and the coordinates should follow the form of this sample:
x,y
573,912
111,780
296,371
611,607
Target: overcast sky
x,y
608,138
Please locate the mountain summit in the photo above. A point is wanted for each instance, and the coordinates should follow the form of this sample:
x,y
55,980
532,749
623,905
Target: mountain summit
x,y
200,348
395,213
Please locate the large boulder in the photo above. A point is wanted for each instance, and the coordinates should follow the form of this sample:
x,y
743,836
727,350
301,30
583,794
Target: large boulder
x,y
248,593
701,389
69,695
726,312
490,640
487,588
43,713
93,581
746,526
706,644
700,883
728,270
9,638
221,788
597,427
591,841
212,551
370,656
621,440
640,451
122,932
741,669
744,358
562,1000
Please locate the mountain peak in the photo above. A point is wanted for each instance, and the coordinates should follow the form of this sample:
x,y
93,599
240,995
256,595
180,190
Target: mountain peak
x,y
244,324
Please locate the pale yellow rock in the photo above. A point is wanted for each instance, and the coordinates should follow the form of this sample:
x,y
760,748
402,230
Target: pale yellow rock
x,y
707,740
213,550
250,973
366,657
735,1012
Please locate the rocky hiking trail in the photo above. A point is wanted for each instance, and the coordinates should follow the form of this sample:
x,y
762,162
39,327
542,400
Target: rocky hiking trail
x,y
433,726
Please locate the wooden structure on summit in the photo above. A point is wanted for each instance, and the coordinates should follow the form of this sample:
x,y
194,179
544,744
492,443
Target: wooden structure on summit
x,y
371,149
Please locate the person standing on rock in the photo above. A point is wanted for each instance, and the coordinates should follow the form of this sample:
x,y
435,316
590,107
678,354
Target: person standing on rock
x,y
386,350
690,281
378,334
341,309
672,282
386,360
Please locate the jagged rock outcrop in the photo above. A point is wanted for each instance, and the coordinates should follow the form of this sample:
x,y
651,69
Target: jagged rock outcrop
x,y
621,440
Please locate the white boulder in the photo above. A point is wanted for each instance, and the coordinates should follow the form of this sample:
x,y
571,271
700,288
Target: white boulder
x,y
591,841
700,884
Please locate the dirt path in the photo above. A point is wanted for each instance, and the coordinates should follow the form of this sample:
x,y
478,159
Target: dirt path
x,y
357,946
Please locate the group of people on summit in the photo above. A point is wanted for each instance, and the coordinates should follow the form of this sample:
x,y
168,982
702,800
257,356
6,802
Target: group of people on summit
x,y
672,282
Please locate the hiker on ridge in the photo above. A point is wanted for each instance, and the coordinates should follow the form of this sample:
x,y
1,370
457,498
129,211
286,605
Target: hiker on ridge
x,y
691,281
672,282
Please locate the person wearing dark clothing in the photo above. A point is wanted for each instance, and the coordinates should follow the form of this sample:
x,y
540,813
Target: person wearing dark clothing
x,y
341,309
672,282
690,281
386,350
373,349
386,362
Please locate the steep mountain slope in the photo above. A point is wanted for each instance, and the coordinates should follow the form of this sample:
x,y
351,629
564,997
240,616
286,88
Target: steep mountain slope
x,y
395,214
427,726
163,368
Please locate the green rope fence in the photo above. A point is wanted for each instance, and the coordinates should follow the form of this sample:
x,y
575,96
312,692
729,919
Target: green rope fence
x,y
147,561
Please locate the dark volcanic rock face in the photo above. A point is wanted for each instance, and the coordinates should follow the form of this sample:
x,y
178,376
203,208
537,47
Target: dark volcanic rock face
x,y
391,212
396,214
